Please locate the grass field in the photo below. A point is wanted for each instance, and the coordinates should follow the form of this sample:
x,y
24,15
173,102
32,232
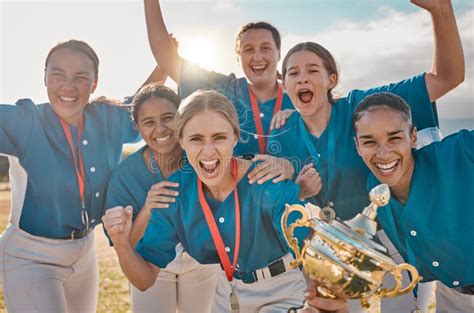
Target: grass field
x,y
113,289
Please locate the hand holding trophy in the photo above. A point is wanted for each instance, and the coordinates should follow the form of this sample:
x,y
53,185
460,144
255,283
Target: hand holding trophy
x,y
342,257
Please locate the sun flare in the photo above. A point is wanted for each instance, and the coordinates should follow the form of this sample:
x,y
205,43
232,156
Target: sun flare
x,y
201,50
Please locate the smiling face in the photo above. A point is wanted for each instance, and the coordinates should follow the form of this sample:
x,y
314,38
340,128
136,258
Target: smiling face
x,y
156,124
259,56
307,82
384,140
209,140
70,79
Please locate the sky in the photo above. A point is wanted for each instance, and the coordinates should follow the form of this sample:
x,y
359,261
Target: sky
x,y
374,41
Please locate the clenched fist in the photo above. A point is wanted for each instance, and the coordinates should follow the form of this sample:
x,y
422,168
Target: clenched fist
x,y
118,223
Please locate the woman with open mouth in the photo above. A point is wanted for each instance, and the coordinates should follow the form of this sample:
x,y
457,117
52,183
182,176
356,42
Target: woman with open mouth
x,y
140,181
429,217
257,97
219,217
322,125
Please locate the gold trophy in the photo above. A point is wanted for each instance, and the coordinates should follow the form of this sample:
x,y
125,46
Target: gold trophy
x,y
342,257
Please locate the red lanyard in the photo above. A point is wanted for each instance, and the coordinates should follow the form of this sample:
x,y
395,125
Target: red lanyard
x,y
216,236
78,163
262,143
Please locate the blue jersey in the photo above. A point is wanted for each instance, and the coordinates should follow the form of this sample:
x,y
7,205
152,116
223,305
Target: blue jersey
x,y
130,183
343,173
45,191
434,230
236,90
261,209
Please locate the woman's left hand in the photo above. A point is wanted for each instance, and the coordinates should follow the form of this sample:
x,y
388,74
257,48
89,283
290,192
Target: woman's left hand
x,y
272,167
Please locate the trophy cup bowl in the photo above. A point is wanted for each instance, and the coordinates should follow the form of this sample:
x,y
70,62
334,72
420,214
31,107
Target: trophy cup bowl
x,y
342,258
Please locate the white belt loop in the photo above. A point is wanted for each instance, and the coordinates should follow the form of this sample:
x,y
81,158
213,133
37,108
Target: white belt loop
x,y
266,272
260,274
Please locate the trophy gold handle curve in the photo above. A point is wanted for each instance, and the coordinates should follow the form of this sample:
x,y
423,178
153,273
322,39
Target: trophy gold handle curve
x,y
303,221
397,274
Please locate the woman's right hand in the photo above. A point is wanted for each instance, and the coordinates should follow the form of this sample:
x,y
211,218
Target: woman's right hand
x,y
160,195
118,223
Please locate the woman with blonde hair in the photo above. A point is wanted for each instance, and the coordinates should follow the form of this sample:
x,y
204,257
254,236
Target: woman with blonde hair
x,y
141,181
219,218
258,97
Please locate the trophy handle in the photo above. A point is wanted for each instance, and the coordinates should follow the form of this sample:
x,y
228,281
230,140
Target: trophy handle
x,y
288,231
397,274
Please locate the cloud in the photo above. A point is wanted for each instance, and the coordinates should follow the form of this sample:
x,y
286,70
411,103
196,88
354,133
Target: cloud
x,y
392,48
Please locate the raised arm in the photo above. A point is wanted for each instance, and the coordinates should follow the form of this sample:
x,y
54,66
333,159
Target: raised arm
x,y
448,66
161,44
158,76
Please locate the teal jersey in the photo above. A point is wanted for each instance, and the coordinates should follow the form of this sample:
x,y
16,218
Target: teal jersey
x,y
46,197
434,230
261,209
130,183
236,90
334,155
